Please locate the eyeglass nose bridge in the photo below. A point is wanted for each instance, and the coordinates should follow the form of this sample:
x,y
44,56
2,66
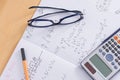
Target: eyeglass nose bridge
x,y
56,22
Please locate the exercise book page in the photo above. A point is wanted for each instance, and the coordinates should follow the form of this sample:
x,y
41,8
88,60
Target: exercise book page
x,y
42,65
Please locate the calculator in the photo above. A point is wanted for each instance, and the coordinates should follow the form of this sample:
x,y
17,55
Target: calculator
x,y
104,62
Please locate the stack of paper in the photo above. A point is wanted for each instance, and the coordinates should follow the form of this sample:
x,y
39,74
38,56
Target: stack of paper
x,y
58,51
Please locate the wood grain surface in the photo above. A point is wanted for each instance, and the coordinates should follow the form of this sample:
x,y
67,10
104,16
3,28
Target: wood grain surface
x,y
13,21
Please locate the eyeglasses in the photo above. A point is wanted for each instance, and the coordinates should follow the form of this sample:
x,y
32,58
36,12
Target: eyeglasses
x,y
66,17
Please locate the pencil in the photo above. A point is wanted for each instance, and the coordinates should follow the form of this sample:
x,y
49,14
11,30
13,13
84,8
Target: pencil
x,y
24,62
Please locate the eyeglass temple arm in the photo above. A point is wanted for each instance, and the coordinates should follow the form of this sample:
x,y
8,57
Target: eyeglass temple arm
x,y
47,8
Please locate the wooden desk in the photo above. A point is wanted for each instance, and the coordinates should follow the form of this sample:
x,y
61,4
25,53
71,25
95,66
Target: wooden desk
x,y
13,21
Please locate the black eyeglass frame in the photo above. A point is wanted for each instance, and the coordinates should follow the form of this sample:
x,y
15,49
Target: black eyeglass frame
x,y
76,13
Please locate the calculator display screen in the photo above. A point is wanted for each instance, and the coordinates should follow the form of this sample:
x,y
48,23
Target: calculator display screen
x,y
100,65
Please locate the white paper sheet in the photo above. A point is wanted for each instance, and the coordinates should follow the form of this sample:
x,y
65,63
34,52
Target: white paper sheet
x,y
42,65
74,42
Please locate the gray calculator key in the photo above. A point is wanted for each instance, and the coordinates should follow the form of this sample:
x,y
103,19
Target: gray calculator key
x,y
110,48
119,63
106,50
116,60
119,57
106,44
118,52
109,57
118,46
113,51
104,47
115,48
115,43
113,63
112,40
100,50
109,42
115,67
103,53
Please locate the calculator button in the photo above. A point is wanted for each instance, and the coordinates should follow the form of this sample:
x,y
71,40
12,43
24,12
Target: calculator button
x,y
112,40
115,48
118,46
109,42
119,63
113,51
115,67
119,57
109,57
115,43
116,54
103,47
103,53
100,50
112,63
106,44
116,37
116,60
106,50
118,41
110,48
